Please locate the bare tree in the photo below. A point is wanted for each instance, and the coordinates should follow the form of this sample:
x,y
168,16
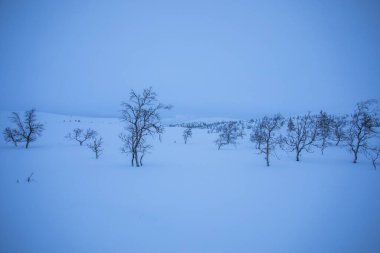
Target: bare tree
x,y
301,135
228,134
373,154
187,133
264,135
339,124
81,136
26,131
324,128
361,127
96,146
142,117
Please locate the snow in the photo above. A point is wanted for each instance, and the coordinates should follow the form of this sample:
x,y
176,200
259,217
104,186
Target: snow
x,y
186,198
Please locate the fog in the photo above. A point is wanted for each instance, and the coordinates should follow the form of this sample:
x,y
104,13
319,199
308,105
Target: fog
x,y
207,58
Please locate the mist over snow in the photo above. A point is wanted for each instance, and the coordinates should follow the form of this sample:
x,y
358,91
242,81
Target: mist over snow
x,y
237,59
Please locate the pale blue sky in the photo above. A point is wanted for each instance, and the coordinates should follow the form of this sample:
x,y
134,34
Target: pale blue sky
x,y
207,58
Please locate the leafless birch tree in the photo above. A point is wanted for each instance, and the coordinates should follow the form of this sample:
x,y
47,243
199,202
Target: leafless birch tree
x,y
361,127
27,130
301,134
265,135
142,117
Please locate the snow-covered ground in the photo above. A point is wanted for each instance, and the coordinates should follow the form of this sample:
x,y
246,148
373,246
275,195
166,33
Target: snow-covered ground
x,y
186,198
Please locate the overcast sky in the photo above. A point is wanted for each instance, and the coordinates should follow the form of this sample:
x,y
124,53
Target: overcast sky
x,y
207,58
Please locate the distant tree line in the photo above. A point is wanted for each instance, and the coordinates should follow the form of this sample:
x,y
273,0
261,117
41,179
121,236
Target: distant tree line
x,y
358,132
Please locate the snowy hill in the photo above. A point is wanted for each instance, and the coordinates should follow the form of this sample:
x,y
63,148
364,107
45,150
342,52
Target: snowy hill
x,y
186,198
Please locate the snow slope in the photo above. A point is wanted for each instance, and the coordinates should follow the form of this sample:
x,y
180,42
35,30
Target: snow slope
x,y
186,198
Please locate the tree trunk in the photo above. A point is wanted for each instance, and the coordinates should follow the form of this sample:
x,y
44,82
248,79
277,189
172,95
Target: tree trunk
x,y
355,157
324,145
137,160
356,151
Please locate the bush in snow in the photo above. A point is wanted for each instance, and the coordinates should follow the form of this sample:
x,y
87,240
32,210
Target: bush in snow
x,y
26,130
361,127
81,136
142,117
301,135
187,133
265,135
96,146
